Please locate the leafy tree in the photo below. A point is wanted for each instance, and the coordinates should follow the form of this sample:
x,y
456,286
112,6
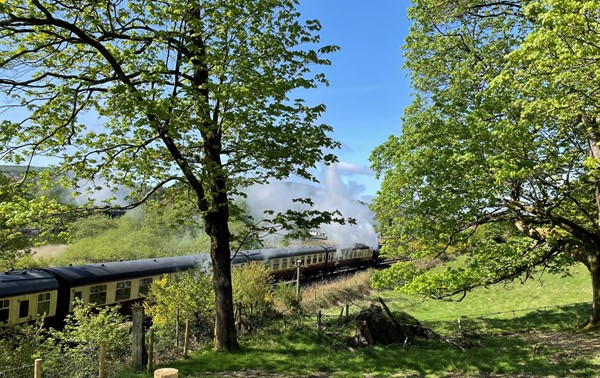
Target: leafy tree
x,y
501,138
13,242
24,219
145,94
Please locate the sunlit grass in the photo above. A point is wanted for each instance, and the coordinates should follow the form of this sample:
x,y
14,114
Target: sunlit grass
x,y
509,342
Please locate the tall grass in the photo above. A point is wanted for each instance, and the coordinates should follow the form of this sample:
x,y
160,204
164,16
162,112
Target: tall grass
x,y
345,290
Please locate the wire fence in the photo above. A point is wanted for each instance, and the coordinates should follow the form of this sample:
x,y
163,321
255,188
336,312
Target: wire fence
x,y
18,372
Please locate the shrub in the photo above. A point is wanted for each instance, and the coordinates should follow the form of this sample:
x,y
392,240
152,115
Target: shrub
x,y
285,300
75,350
252,292
187,296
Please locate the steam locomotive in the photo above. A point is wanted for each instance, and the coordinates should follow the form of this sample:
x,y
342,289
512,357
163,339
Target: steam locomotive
x,y
29,294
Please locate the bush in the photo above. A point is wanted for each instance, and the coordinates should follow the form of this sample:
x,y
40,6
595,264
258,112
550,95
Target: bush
x,y
252,292
73,351
285,300
91,226
19,346
187,296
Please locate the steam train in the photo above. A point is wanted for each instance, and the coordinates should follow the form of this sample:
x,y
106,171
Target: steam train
x,y
29,294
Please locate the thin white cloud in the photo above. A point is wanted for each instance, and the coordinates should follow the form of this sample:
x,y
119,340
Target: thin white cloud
x,y
346,168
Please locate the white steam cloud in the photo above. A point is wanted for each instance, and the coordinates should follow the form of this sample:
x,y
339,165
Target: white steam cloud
x,y
333,194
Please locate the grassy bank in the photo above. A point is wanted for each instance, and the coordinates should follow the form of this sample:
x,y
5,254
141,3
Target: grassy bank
x,y
513,331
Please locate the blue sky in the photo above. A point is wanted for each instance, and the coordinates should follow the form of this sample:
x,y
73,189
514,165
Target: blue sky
x,y
368,88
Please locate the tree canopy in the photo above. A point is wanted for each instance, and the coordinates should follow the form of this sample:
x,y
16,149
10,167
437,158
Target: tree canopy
x,y
24,219
143,94
498,158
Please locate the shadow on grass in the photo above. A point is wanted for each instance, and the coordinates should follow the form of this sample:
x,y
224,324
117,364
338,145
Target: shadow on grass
x,y
549,319
305,352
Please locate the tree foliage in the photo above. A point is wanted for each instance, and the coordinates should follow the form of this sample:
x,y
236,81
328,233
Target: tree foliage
x,y
24,219
501,139
141,94
186,295
252,289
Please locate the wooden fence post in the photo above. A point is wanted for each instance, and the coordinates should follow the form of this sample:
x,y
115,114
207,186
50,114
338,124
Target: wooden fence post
x,y
347,308
37,368
102,368
186,338
137,348
319,321
150,350
298,281
177,328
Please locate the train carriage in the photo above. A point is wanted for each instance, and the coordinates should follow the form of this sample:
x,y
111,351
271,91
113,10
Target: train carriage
x,y
283,262
119,282
27,295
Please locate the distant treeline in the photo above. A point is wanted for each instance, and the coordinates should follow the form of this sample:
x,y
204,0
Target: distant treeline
x,y
18,170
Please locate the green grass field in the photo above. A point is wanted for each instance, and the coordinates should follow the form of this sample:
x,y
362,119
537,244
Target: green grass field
x,y
519,330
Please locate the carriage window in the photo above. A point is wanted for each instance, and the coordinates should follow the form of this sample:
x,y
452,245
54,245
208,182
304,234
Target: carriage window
x,y
276,264
284,263
144,286
268,264
98,294
78,295
4,310
123,291
43,304
23,309
314,259
321,258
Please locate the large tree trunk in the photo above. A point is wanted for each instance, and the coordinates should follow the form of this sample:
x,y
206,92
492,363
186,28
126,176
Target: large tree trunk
x,y
593,266
216,220
225,332
216,224
591,261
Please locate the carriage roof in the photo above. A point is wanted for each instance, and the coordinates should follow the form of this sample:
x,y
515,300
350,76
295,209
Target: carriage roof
x,y
111,271
19,282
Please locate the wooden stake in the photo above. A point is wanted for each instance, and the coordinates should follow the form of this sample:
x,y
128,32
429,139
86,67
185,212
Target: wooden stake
x,y
298,281
319,321
37,369
186,338
137,348
177,329
102,367
150,350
